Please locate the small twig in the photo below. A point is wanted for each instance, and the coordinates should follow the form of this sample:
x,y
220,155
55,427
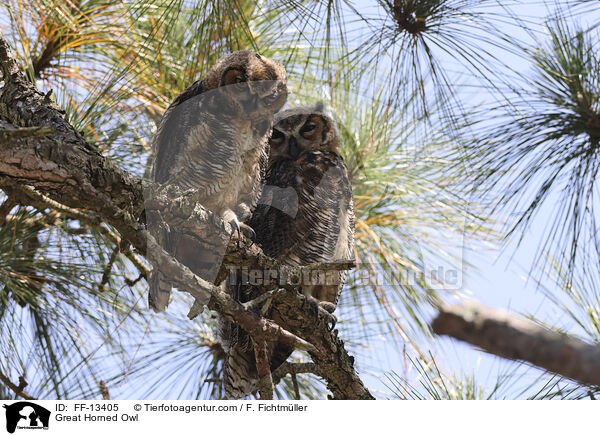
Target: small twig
x,y
104,390
17,389
512,337
8,135
213,380
131,283
265,380
5,209
108,268
296,387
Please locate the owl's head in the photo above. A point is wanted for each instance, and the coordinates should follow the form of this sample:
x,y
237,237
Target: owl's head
x,y
300,130
254,84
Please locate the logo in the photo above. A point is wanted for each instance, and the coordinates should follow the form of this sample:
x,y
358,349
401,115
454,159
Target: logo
x,y
26,415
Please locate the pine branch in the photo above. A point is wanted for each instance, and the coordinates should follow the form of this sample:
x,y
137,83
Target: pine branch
x,y
293,368
108,268
335,365
512,337
67,171
265,378
17,389
104,390
10,134
26,195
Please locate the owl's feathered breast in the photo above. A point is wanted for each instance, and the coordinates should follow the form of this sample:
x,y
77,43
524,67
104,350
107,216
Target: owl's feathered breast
x,y
306,212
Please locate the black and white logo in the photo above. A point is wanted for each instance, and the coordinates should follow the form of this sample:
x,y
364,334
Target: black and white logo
x,y
26,415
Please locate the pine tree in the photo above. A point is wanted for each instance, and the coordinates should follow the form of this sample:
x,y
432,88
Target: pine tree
x,y
448,144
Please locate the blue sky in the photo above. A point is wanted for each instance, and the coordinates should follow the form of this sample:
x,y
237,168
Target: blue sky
x,y
499,276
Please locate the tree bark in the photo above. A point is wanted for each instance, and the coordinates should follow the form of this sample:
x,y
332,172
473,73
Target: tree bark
x,y
512,337
63,168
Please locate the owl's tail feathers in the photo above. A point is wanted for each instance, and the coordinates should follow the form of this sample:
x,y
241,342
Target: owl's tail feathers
x,y
159,294
239,372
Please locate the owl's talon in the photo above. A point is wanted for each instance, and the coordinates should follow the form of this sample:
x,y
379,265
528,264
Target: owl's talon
x,y
235,226
332,322
248,231
322,311
329,308
327,305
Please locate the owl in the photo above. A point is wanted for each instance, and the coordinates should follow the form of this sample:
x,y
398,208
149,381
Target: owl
x,y
305,216
213,141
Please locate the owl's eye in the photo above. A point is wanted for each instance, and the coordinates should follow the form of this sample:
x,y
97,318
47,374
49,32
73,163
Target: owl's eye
x,y
308,129
233,76
276,138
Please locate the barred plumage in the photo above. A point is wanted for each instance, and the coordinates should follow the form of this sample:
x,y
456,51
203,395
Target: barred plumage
x,y
213,140
305,215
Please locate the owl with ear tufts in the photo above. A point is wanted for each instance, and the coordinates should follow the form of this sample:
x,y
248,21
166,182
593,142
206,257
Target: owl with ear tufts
x,y
305,216
213,141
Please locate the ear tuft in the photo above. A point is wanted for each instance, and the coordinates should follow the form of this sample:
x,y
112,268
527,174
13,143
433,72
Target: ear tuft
x,y
319,106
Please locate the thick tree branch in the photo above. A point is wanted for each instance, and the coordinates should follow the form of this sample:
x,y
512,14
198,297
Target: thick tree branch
x,y
293,368
336,366
10,134
68,172
265,379
512,337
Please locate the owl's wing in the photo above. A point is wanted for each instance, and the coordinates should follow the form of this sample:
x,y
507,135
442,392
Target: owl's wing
x,y
326,208
171,133
326,218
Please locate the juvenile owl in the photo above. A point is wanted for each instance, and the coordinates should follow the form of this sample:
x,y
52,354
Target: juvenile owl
x,y
213,140
305,215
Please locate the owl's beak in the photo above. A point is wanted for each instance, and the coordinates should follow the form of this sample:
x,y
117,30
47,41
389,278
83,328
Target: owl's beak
x,y
253,103
293,149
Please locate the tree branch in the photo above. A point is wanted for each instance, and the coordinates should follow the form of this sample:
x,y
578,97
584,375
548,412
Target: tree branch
x,y
10,134
335,365
16,389
28,196
104,390
265,379
67,172
293,368
512,337
5,209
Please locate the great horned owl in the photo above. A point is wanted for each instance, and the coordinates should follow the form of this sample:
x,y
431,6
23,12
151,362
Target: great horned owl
x,y
213,140
305,216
